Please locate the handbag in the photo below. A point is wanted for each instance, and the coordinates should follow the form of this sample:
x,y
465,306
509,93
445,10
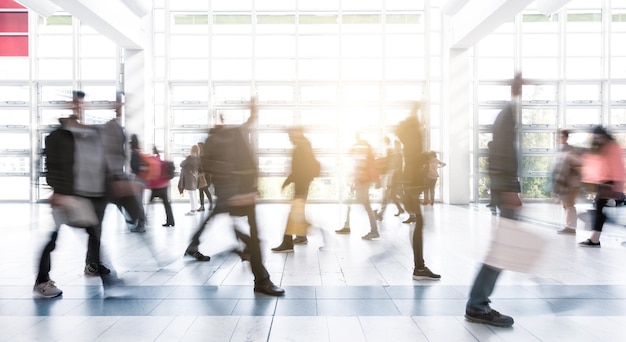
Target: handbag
x,y
126,188
202,183
296,221
73,211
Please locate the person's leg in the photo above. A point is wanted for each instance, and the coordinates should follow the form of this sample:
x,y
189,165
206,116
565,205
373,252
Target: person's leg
x,y
253,245
571,217
193,200
209,197
95,232
262,282
482,289
431,198
302,191
44,262
362,197
201,192
598,223
163,194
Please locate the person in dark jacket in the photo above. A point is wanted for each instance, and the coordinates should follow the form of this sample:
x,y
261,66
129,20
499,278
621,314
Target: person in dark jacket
x,y
232,164
503,163
409,131
303,170
114,145
204,180
76,172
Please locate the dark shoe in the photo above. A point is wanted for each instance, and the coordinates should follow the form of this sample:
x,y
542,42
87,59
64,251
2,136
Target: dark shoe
x,y
300,240
492,317
425,273
94,269
589,243
344,230
269,289
201,208
198,256
283,248
410,219
168,225
139,229
400,212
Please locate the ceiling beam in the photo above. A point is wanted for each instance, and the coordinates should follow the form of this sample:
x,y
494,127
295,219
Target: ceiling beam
x,y
111,18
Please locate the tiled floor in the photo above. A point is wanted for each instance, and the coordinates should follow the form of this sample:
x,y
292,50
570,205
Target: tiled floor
x,y
338,287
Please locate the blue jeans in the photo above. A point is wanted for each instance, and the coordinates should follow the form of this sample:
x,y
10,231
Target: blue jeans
x,y
486,278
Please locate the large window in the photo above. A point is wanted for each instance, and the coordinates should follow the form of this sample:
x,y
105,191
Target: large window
x,y
336,68
573,84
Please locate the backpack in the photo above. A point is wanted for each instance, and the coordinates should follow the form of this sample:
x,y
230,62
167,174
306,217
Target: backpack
x,y
168,169
316,168
150,167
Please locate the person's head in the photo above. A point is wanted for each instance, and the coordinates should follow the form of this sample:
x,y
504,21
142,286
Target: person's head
x,y
134,142
516,85
200,147
600,137
563,135
194,150
78,99
295,133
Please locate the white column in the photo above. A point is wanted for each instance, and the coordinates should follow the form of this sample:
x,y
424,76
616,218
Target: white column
x,y
456,129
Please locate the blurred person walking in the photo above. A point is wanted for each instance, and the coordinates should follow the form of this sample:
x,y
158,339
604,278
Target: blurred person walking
x,y
603,167
432,175
230,159
393,179
76,171
188,181
124,192
566,180
504,180
365,174
204,180
410,133
304,168
160,188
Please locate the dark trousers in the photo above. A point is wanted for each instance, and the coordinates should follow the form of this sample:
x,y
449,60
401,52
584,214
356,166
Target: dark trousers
x,y
203,191
163,194
93,242
486,278
132,208
252,242
411,203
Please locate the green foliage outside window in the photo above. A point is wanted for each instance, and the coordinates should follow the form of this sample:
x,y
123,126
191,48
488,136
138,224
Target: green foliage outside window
x,y
536,187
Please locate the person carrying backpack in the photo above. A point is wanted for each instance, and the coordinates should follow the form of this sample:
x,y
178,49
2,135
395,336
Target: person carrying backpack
x,y
229,158
160,188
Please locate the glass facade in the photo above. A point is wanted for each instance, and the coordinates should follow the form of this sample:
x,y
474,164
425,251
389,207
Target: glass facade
x,y
572,65
336,68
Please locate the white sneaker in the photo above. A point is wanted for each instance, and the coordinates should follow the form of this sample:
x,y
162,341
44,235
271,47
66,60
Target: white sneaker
x,y
47,289
191,213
